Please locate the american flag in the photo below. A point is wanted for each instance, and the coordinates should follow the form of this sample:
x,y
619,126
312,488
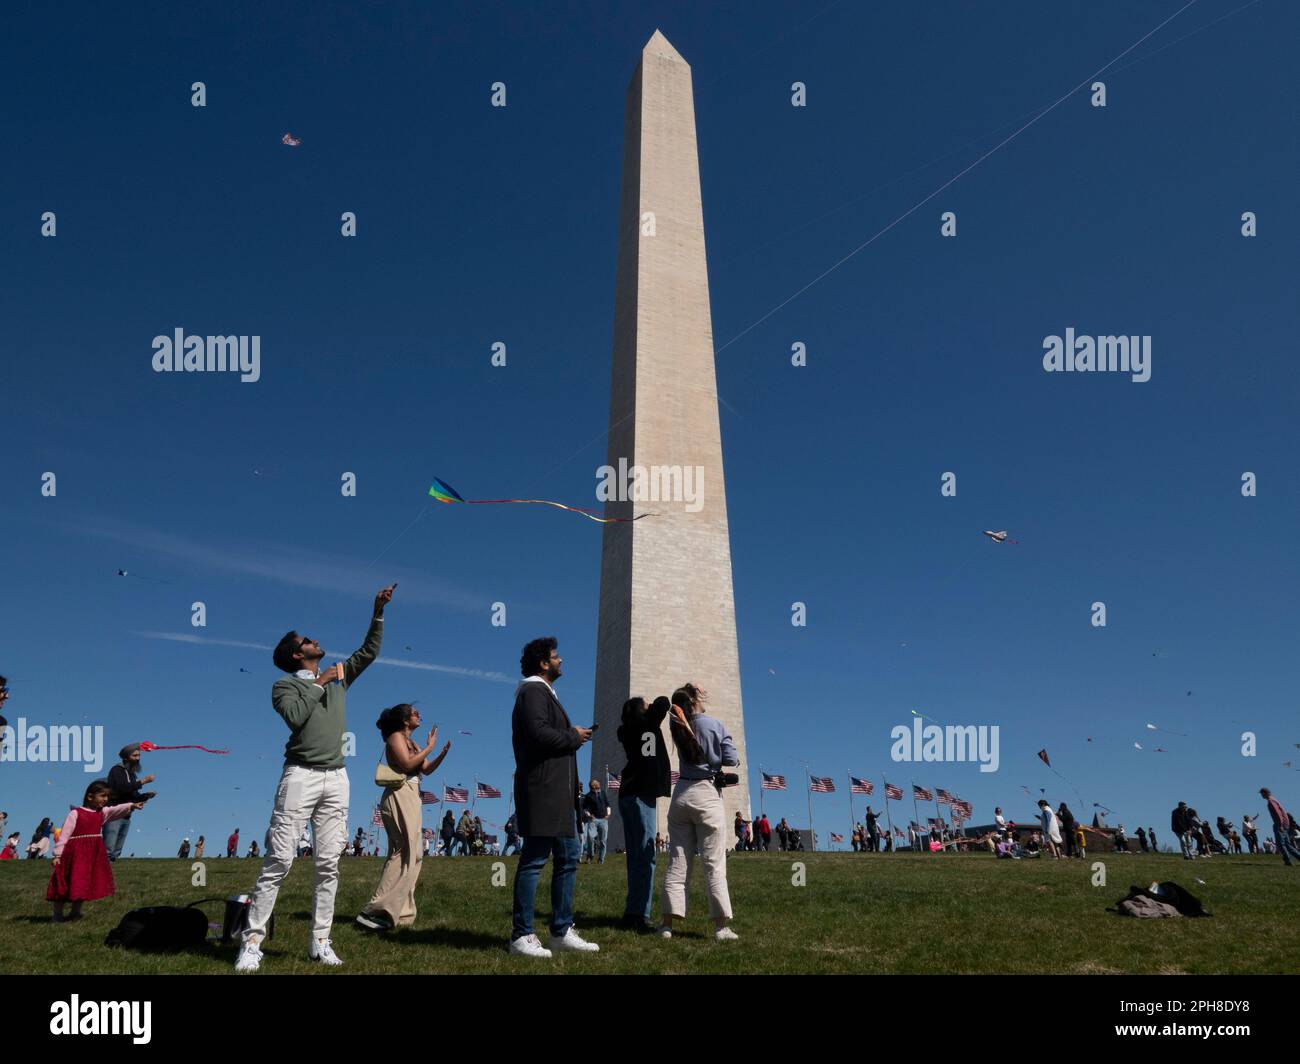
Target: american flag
x,y
377,820
486,790
836,838
822,784
899,833
673,777
857,786
893,792
961,808
615,781
773,783
921,794
427,798
455,794
944,797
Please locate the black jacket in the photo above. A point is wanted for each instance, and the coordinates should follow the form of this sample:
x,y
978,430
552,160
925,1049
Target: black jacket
x,y
647,778
1180,821
546,770
126,788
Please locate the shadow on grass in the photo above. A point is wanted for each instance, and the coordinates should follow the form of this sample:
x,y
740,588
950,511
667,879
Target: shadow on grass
x,y
454,938
32,918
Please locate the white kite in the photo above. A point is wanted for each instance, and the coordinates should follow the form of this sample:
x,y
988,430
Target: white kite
x,y
290,140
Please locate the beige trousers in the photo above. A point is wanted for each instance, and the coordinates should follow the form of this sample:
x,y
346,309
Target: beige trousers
x,y
696,820
395,895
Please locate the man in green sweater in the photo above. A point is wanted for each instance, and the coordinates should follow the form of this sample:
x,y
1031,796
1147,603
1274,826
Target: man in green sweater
x,y
314,783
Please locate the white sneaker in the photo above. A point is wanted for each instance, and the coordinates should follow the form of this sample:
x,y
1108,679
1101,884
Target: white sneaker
x,y
321,950
250,958
528,946
571,941
665,932
725,934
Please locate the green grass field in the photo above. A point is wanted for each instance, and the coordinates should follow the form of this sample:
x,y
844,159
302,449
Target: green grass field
x,y
889,913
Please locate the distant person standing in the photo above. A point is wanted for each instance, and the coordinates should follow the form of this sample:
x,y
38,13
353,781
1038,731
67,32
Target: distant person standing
x,y
232,844
124,779
184,851
596,807
512,835
1180,823
1281,827
783,835
547,788
1067,828
1051,828
198,849
1251,833
448,833
740,831
1142,838
764,832
873,831
1151,834
314,783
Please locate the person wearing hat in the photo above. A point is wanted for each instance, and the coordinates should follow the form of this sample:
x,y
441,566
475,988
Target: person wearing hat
x,y
125,780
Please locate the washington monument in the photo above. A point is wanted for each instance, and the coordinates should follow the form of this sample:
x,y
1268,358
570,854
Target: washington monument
x,y
667,614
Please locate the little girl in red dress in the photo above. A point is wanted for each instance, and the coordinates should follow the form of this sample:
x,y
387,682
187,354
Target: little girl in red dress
x,y
81,869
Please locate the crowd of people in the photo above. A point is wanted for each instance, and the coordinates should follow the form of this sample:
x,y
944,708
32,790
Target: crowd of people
x,y
553,819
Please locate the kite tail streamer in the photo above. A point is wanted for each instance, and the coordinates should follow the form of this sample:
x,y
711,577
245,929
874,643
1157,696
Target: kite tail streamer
x,y
444,492
148,746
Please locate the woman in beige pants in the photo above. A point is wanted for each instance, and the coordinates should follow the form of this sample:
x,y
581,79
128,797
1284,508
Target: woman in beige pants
x,y
393,903
696,816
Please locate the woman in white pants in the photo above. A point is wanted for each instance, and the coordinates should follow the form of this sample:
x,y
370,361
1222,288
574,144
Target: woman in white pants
x,y
696,816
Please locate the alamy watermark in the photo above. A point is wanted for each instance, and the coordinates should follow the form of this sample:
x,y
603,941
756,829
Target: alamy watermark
x,y
58,742
651,484
1098,354
951,742
179,353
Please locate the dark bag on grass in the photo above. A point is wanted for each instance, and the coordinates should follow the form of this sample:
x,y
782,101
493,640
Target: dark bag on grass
x,y
1159,900
160,927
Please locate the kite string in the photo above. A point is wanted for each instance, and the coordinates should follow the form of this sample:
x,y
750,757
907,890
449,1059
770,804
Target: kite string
x,y
423,510
952,180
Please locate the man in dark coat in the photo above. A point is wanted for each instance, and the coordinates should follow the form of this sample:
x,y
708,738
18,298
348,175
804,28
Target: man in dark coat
x,y
546,801
125,781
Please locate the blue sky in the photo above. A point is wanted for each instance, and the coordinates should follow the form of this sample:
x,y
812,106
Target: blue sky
x,y
478,224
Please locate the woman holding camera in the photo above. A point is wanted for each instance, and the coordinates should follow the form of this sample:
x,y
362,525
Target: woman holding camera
x,y
696,816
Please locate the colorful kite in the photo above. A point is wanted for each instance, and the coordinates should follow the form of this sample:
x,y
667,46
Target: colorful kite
x,y
444,492
290,140
148,747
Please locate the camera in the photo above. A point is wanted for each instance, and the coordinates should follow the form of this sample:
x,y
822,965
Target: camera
x,y
725,779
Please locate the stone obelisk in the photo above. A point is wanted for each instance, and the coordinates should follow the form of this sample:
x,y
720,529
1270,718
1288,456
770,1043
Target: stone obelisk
x,y
667,613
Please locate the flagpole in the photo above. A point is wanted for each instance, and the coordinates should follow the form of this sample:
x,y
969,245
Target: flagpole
x,y
761,811
939,816
853,820
808,783
916,811
888,818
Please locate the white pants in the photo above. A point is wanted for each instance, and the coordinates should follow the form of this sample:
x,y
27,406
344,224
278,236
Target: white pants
x,y
696,819
321,796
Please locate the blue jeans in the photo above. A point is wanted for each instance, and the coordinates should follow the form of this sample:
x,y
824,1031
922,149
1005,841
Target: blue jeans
x,y
597,833
639,822
115,835
1285,846
1185,841
537,848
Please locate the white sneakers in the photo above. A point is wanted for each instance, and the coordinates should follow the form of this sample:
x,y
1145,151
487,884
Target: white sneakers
x,y
528,946
321,950
250,958
723,934
570,941
531,946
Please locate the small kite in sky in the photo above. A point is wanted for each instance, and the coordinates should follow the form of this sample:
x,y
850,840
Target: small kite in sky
x,y
137,576
465,733
1160,750
773,672
149,747
1152,727
999,537
1137,746
1027,790
1042,756
444,492
242,669
290,140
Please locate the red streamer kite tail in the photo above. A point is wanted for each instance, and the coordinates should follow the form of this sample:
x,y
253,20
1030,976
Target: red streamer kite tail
x,y
149,747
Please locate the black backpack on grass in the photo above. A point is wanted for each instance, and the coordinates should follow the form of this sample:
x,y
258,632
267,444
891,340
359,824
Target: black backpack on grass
x,y
161,927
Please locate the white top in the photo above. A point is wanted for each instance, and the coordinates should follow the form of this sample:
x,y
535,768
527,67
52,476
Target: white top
x,y
1050,826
